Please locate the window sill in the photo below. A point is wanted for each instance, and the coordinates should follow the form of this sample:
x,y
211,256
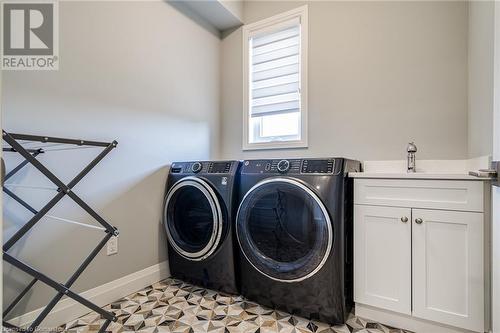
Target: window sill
x,y
275,145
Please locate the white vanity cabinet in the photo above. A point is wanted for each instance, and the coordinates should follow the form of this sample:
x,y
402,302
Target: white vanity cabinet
x,y
420,251
448,267
382,257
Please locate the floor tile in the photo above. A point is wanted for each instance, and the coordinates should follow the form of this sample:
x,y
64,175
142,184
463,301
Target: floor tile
x,y
174,306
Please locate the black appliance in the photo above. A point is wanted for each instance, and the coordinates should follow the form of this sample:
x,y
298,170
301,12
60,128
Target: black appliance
x,y
198,217
295,231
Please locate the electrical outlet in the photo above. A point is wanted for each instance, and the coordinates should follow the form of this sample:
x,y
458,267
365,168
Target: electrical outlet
x,y
112,246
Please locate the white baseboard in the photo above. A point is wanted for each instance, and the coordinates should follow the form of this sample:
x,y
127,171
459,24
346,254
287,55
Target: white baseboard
x,y
68,309
406,322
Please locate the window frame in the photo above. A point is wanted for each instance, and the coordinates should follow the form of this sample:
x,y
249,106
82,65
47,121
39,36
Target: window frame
x,y
259,27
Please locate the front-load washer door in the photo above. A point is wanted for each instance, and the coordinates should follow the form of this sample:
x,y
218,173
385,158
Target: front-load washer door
x,y
192,218
284,230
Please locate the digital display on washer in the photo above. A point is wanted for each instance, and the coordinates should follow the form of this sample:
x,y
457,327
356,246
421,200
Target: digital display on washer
x,y
317,166
221,167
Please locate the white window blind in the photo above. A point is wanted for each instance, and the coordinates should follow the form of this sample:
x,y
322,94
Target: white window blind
x,y
275,81
275,71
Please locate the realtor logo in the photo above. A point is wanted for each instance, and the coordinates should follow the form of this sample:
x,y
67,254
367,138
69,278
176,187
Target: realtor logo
x,y
30,35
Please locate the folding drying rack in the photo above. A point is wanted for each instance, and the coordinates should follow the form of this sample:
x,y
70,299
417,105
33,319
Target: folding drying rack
x,y
30,154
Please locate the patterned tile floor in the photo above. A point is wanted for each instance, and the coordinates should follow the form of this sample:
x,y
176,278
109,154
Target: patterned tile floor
x,y
174,306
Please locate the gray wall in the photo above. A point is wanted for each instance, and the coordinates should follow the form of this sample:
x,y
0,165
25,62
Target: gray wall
x,y
380,74
138,72
480,63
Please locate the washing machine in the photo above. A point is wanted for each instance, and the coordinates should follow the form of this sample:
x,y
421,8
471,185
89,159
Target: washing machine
x,y
198,217
294,228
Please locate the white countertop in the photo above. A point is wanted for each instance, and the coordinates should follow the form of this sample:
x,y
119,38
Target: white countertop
x,y
426,169
416,175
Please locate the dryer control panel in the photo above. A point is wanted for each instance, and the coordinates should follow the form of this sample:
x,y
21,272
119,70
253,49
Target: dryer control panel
x,y
207,167
291,166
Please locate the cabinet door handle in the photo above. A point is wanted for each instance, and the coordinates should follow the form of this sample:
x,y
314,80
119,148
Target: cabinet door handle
x,y
419,221
404,219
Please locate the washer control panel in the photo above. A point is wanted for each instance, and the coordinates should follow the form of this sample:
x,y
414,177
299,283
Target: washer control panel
x,y
290,166
211,167
318,166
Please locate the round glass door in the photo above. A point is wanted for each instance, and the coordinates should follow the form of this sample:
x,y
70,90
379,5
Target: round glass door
x,y
284,229
192,218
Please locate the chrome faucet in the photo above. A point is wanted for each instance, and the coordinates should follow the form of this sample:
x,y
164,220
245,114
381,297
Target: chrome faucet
x,y
412,149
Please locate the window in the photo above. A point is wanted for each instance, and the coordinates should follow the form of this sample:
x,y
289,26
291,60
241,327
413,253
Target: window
x,y
275,81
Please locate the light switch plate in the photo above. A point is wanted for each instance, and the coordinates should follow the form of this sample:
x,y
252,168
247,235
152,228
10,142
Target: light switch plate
x,y
112,246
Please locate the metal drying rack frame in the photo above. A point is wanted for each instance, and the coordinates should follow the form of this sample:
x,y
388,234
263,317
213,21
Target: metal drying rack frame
x,y
62,190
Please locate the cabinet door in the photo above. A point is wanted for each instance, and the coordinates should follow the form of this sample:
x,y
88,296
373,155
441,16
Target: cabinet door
x,y
382,257
448,268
